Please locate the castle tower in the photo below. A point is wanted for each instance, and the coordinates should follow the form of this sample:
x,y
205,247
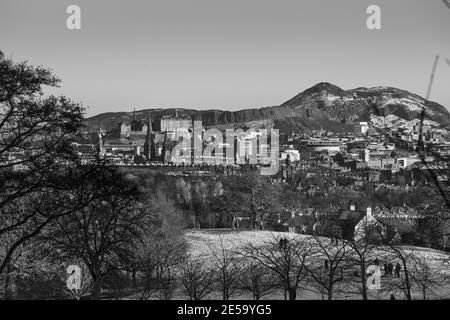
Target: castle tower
x,y
152,140
165,149
149,146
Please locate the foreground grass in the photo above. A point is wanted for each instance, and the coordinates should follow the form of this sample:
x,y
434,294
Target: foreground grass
x,y
202,242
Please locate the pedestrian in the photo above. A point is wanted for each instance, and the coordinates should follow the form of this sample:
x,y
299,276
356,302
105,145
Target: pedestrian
x,y
390,268
397,270
235,221
386,269
283,243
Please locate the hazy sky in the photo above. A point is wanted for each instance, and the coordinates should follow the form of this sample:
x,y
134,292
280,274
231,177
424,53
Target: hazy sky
x,y
228,54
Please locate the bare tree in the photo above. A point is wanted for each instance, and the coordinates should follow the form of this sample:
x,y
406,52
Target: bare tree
x,y
363,251
328,264
426,277
255,195
144,262
225,265
101,233
197,280
160,250
154,259
285,258
31,262
170,255
396,253
259,280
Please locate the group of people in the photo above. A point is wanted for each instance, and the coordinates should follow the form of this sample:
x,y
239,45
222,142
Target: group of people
x,y
283,242
389,268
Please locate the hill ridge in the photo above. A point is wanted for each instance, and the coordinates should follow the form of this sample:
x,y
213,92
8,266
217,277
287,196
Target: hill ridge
x,y
323,105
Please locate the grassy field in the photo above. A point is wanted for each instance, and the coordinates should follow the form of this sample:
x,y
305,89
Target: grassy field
x,y
201,244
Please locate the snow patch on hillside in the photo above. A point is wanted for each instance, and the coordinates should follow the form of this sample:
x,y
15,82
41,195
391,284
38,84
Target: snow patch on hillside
x,y
413,105
332,98
393,121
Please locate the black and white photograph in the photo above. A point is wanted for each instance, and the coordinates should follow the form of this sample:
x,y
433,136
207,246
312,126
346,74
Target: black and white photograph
x,y
222,155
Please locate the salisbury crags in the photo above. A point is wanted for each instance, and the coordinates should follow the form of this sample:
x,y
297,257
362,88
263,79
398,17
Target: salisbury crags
x,y
323,106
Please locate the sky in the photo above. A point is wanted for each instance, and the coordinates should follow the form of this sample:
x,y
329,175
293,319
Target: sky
x,y
227,54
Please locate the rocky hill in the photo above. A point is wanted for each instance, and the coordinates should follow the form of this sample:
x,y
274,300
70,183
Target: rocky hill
x,y
321,106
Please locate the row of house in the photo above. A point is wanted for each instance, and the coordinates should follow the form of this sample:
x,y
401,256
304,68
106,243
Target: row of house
x,y
352,223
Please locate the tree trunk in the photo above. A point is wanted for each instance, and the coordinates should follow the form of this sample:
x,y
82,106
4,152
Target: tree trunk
x,y
9,284
194,221
408,287
148,280
363,282
292,293
96,290
253,209
134,279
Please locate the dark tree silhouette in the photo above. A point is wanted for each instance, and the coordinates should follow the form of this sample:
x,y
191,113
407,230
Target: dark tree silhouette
x,y
287,261
35,153
101,233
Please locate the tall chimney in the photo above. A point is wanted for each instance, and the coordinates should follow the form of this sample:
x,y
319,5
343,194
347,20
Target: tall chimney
x,y
369,212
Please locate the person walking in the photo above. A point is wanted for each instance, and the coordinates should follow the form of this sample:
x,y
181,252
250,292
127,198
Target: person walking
x,y
386,269
397,270
390,268
235,223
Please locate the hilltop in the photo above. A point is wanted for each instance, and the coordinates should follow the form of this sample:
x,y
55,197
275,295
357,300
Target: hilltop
x,y
323,106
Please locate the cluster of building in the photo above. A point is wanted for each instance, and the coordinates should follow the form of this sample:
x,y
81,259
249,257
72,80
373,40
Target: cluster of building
x,y
150,142
327,161
141,141
365,154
